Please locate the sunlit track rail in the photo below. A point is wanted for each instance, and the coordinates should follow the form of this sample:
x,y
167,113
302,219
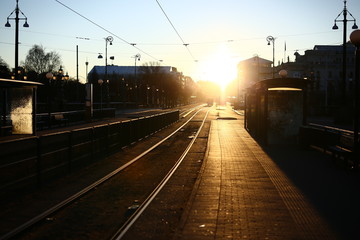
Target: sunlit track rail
x,y
122,231
22,228
184,114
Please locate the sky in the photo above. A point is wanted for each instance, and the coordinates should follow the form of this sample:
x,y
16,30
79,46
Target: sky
x,y
204,39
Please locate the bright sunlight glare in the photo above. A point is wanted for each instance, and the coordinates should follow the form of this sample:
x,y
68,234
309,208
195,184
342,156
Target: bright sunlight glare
x,y
220,67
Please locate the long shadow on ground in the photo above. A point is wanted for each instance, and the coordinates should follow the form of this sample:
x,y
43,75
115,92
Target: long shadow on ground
x,y
334,191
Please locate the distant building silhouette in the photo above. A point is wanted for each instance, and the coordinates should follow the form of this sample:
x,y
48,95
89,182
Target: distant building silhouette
x,y
253,70
322,65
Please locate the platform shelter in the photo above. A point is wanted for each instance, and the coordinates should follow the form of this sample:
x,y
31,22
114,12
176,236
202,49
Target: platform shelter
x,y
275,109
18,106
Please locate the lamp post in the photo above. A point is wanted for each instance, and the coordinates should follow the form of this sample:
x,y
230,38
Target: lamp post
x,y
86,66
147,96
88,96
335,27
109,40
355,39
137,58
17,18
49,76
100,82
63,78
272,39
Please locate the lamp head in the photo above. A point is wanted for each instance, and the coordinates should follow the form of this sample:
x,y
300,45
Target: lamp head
x,y
354,26
283,73
26,24
49,75
335,27
7,24
355,38
100,56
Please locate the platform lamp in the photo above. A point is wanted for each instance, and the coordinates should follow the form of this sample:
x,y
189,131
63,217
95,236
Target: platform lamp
x,y
100,82
355,39
283,73
137,57
335,27
272,39
17,18
49,76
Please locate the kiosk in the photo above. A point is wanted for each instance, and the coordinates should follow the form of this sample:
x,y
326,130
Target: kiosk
x,y
275,109
18,106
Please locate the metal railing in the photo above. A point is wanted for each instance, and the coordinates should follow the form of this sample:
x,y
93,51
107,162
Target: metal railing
x,y
34,160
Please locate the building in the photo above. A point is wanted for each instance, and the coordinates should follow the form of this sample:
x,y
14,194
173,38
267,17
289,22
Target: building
x,y
148,85
323,66
129,70
253,70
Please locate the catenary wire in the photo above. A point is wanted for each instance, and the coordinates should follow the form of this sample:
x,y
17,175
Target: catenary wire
x,y
101,27
172,25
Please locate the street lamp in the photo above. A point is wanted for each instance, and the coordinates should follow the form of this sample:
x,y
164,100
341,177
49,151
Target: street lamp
x,y
49,76
17,18
147,96
272,39
137,58
100,82
109,40
335,27
59,76
87,64
355,39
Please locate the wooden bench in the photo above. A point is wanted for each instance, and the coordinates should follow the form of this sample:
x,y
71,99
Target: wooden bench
x,y
42,121
60,119
343,151
6,130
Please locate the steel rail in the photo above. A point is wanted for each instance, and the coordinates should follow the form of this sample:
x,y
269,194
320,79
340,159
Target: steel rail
x,y
85,190
128,224
189,111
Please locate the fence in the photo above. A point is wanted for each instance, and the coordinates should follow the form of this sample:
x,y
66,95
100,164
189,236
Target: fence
x,y
34,160
323,136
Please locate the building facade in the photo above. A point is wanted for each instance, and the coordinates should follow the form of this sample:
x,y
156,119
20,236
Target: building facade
x,y
142,85
322,65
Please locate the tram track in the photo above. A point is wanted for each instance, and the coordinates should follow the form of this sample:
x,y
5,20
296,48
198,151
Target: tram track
x,y
126,226
28,230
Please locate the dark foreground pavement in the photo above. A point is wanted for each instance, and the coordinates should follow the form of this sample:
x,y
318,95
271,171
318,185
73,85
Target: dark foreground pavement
x,y
279,192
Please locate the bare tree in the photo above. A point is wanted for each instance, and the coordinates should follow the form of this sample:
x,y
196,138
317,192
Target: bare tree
x,y
150,68
4,69
39,61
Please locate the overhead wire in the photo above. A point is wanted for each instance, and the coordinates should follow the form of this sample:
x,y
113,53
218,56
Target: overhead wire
x,y
106,30
135,45
172,25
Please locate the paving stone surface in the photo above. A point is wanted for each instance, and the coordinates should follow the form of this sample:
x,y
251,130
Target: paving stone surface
x,y
242,194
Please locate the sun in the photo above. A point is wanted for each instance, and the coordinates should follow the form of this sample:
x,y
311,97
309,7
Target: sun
x,y
220,67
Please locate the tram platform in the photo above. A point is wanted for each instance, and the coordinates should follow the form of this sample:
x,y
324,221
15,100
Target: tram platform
x,y
246,191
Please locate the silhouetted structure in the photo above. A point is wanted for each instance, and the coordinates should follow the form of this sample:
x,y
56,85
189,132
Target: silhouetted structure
x,y
18,106
275,109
